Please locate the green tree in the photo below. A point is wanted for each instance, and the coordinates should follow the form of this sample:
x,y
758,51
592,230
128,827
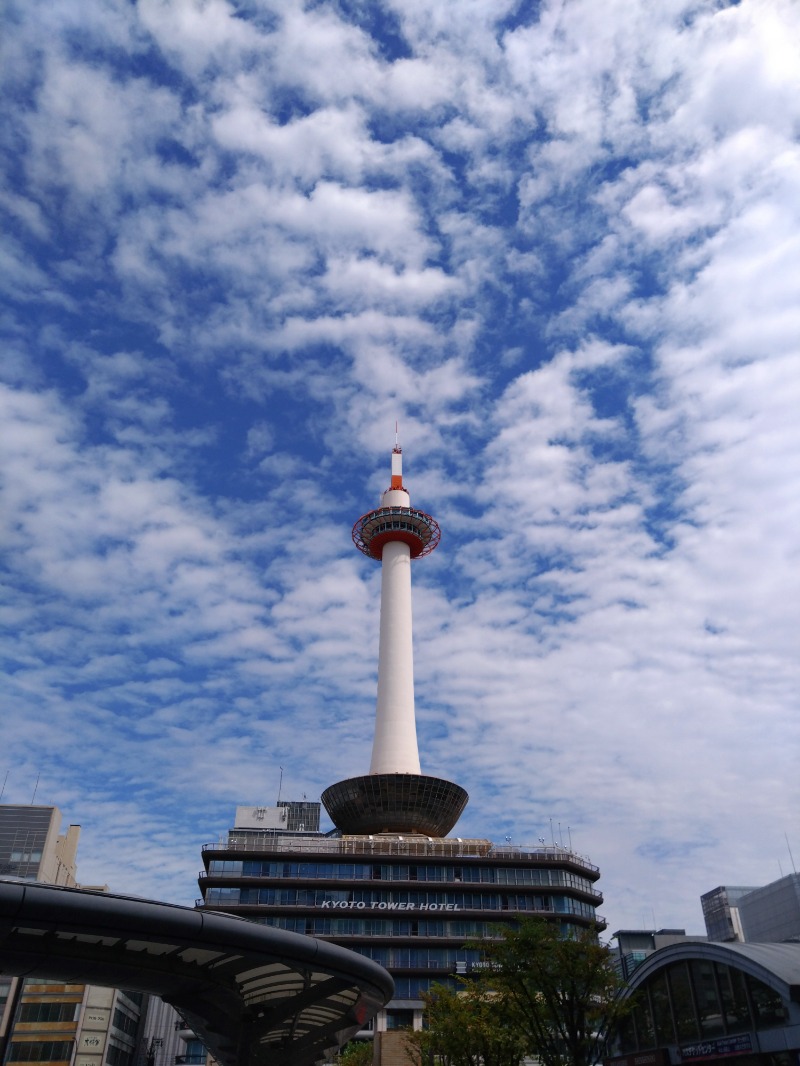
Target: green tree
x,y
356,1053
562,993
465,1027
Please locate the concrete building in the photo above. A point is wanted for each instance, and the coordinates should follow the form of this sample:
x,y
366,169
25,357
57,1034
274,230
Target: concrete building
x,y
635,945
772,913
767,914
165,1036
53,1023
392,881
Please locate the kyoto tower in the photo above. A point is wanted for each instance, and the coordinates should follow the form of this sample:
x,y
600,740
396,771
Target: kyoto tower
x,y
395,797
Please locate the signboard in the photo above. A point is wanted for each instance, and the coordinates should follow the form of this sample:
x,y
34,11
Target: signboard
x,y
260,818
92,1042
96,1018
382,905
713,1049
657,1057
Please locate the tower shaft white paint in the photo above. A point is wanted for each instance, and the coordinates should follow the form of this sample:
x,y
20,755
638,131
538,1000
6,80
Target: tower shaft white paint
x,y
394,750
395,797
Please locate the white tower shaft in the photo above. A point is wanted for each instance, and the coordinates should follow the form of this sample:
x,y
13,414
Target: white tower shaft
x,y
394,750
395,797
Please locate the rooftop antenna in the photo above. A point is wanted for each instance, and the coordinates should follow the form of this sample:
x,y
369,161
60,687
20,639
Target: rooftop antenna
x,y
280,784
788,848
5,780
35,789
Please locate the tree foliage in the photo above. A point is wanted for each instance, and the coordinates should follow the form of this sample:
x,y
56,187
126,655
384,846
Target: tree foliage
x,y
562,994
465,1027
356,1053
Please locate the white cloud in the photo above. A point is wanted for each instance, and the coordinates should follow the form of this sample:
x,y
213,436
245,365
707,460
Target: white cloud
x,y
562,253
199,34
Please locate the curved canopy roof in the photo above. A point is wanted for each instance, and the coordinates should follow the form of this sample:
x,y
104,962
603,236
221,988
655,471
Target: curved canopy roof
x,y
777,965
253,994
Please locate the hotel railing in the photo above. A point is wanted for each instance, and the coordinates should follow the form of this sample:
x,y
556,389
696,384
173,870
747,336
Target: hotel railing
x,y
414,846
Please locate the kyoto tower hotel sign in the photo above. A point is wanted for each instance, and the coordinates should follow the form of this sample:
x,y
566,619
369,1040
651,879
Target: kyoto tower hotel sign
x,y
395,797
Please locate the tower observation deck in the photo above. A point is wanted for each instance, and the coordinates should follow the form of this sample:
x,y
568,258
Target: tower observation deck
x,y
395,796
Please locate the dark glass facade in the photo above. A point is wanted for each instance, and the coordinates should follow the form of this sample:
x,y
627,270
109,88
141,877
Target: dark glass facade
x,y
24,834
409,903
720,911
698,1002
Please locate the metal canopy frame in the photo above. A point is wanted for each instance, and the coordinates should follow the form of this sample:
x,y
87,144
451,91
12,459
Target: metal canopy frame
x,y
253,994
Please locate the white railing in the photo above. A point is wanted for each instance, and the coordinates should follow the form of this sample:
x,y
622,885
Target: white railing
x,y
397,846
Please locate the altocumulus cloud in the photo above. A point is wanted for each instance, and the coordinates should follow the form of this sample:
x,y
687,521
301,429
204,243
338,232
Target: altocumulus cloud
x,y
560,245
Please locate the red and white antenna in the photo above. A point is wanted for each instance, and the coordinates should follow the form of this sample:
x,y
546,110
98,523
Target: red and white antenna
x,y
397,462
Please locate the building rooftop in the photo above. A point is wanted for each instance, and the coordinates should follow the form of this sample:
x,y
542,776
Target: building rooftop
x,y
396,844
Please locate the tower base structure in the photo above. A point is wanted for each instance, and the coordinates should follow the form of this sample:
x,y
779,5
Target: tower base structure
x,y
395,803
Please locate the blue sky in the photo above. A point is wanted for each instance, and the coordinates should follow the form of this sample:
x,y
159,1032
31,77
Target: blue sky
x,y
559,243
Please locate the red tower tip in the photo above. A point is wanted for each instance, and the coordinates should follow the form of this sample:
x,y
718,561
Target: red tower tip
x,y
397,467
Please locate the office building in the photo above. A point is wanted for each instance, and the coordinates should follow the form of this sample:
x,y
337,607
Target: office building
x,y
772,913
768,914
32,846
392,880
721,912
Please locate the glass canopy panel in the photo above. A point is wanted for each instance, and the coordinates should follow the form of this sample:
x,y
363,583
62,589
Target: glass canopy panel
x,y
709,1009
733,996
769,1008
682,1002
662,1016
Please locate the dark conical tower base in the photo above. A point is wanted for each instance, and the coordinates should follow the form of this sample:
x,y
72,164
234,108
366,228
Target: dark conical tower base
x,y
395,803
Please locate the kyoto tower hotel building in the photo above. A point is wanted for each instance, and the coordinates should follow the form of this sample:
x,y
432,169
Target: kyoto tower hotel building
x,y
390,880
